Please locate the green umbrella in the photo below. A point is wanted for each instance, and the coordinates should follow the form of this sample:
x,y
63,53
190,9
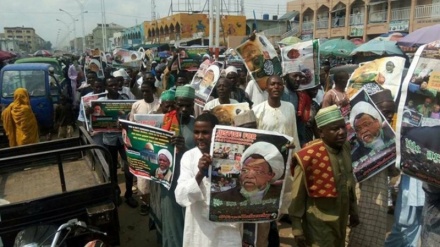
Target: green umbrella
x,y
337,48
290,40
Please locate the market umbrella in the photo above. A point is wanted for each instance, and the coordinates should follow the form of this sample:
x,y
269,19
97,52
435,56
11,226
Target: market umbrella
x,y
5,55
357,41
421,36
42,53
337,48
391,36
290,40
379,47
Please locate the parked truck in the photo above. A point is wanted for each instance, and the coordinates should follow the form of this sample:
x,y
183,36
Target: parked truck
x,y
55,181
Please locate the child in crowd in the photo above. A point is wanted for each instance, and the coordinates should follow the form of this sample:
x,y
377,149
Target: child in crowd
x,y
435,111
64,117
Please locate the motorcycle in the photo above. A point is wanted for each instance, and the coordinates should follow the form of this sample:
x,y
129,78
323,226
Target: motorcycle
x,y
49,235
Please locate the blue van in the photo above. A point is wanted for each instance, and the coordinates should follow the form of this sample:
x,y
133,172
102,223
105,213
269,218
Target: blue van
x,y
34,77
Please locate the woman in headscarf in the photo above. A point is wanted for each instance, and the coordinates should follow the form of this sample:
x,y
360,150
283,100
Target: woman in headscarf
x,y
19,121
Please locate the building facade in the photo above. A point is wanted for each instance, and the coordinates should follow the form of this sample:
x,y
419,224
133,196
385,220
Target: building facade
x,y
97,34
184,26
133,36
26,37
364,19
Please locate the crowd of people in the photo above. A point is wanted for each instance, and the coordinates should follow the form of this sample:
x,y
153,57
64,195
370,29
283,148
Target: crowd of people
x,y
318,212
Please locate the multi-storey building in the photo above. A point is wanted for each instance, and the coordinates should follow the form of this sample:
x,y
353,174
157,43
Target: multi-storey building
x,y
28,41
97,34
364,19
180,27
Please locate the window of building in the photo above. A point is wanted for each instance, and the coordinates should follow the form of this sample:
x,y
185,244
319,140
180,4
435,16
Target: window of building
x,y
28,31
19,36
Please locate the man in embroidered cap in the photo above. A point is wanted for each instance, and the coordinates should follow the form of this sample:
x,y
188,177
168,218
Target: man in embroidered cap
x,y
261,165
171,222
323,187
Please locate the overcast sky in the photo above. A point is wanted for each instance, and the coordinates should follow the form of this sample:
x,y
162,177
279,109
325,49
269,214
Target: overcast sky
x,y
42,14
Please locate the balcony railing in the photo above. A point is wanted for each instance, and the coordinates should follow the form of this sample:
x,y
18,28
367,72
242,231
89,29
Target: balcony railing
x,y
427,11
357,19
276,31
338,22
400,14
377,17
322,24
308,25
292,32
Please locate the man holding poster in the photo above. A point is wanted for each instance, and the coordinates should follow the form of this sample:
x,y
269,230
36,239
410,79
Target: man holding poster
x,y
323,185
192,192
114,143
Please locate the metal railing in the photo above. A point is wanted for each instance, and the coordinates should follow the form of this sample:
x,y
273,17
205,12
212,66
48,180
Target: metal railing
x,y
276,31
307,25
400,14
357,19
322,24
427,11
293,32
338,22
377,17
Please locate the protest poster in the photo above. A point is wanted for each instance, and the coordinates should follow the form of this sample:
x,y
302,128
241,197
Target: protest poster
x,y
93,62
373,144
418,122
302,57
204,82
85,105
373,76
225,113
260,59
149,152
237,164
106,114
128,58
155,120
191,57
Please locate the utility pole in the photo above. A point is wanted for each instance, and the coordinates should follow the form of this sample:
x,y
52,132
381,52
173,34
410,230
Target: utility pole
x,y
153,10
103,26
81,7
211,25
217,28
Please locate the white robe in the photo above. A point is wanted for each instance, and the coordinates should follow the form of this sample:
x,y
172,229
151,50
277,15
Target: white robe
x,y
256,94
199,231
283,121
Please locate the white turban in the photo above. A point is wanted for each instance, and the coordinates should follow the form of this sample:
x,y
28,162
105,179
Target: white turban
x,y
366,108
120,72
167,154
270,153
230,69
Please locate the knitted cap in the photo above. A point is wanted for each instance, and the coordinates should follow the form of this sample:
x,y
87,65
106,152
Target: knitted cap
x,y
168,95
328,115
245,118
185,92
